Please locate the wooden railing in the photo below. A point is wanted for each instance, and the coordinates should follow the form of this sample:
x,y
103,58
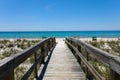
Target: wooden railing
x,y
87,56
8,65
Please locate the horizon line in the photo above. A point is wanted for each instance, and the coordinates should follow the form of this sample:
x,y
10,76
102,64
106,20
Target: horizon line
x,y
57,30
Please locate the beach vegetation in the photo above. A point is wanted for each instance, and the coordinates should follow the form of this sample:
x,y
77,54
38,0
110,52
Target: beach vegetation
x,y
10,47
110,46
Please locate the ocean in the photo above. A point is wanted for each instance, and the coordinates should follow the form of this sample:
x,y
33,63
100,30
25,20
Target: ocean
x,y
59,34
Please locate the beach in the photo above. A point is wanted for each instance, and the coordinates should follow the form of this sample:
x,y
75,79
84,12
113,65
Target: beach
x,y
13,46
99,39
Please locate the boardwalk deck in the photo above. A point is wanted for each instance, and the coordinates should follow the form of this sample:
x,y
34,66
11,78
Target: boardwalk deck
x,y
63,65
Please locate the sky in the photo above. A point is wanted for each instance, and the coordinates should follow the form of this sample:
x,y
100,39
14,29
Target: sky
x,y
59,15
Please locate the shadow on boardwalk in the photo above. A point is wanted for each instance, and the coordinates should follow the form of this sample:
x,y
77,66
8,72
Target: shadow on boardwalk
x,y
45,66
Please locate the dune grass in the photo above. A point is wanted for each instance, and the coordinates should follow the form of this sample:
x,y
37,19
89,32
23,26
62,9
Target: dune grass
x,y
11,47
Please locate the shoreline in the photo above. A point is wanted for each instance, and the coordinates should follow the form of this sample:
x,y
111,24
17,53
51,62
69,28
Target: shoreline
x,y
86,38
99,39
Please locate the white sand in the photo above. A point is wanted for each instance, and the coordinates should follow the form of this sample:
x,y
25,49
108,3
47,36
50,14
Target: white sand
x,y
58,39
99,39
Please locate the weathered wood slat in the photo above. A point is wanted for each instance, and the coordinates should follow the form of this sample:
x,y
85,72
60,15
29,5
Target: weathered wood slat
x,y
63,65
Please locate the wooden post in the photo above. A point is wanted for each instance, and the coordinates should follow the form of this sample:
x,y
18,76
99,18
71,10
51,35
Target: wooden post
x,y
86,53
9,76
49,46
79,48
42,53
46,48
52,42
117,77
10,73
78,58
114,75
36,72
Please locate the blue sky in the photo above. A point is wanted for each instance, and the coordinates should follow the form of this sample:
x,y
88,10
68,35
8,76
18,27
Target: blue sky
x,y
59,15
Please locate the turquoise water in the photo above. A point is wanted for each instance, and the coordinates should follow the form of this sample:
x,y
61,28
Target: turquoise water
x,y
39,34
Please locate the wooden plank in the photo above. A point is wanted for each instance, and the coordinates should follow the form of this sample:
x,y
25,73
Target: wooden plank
x,y
89,66
63,65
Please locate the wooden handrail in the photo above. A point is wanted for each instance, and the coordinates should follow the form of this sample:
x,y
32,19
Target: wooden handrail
x,y
111,61
8,65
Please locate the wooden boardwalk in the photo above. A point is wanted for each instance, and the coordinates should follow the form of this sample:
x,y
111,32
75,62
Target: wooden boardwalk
x,y
60,64
63,65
